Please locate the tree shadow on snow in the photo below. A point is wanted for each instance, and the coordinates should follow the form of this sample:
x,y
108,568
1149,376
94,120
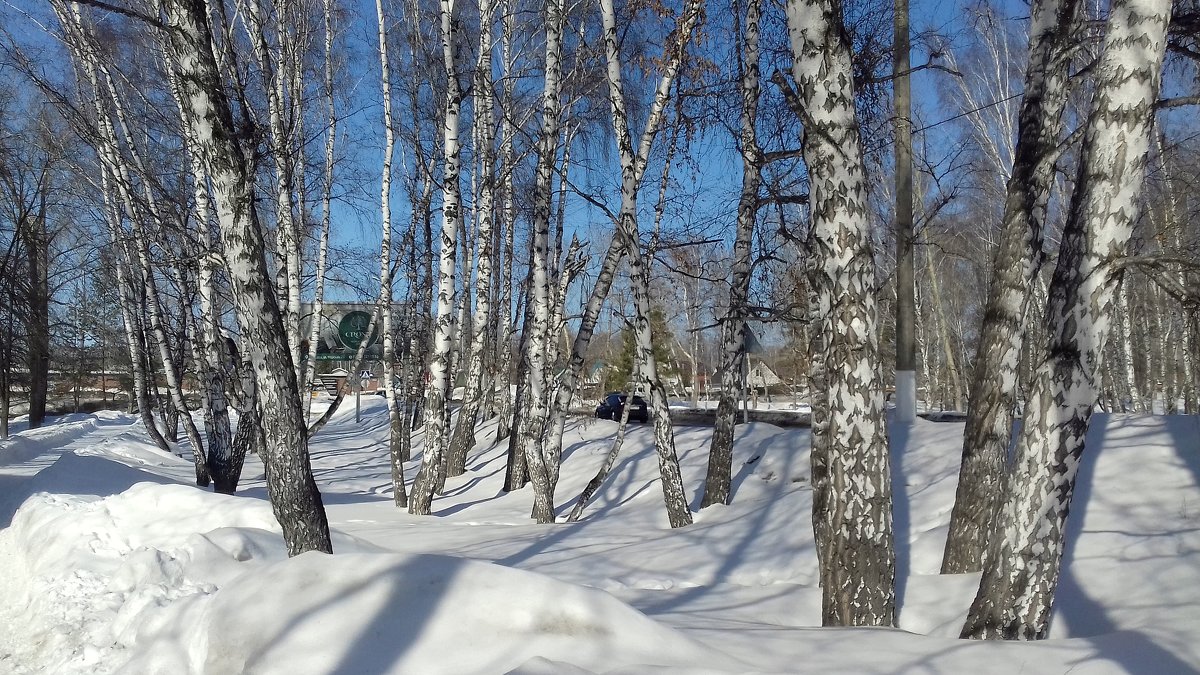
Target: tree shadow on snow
x,y
1087,616
76,475
899,436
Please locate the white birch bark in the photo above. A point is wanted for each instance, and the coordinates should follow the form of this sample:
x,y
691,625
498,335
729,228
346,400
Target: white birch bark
x,y
614,451
718,480
858,560
129,314
318,305
121,171
1174,221
275,72
674,497
633,166
210,363
463,439
995,381
127,293
1022,569
293,492
533,428
395,424
437,416
505,334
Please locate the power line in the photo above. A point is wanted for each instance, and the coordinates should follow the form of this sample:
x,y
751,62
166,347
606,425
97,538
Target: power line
x,y
969,112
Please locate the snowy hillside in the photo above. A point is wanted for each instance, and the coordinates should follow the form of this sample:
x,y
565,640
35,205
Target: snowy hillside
x,y
111,562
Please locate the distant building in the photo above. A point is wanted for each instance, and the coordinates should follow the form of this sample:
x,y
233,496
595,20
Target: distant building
x,y
761,376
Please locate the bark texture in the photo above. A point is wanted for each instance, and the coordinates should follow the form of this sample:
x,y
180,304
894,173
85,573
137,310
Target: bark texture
x,y
717,482
1021,572
995,382
294,495
858,560
437,416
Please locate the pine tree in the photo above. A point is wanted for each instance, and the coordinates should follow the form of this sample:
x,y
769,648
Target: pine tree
x,y
621,370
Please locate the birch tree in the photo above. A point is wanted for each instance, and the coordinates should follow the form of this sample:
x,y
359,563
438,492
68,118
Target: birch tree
x,y
293,492
717,483
854,515
1016,265
633,165
395,425
318,304
437,417
533,427
484,124
1021,571
280,79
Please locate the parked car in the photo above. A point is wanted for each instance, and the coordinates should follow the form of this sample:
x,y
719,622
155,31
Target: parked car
x,y
610,408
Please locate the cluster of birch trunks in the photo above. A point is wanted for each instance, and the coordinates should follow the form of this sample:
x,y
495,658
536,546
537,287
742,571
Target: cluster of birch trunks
x,y
211,255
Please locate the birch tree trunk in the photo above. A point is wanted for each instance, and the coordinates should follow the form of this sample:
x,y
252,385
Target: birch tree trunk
x,y
533,428
293,492
129,315
123,173
858,561
117,179
395,424
437,417
1185,371
276,75
463,438
627,228
939,314
633,166
1022,568
614,451
1125,330
717,483
318,306
504,379
996,379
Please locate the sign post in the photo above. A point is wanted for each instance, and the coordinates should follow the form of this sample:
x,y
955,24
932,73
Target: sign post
x,y
750,345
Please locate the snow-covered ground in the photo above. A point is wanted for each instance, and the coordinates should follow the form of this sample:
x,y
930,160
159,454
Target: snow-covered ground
x,y
111,562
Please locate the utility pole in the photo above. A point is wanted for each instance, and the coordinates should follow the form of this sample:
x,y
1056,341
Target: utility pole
x,y
906,319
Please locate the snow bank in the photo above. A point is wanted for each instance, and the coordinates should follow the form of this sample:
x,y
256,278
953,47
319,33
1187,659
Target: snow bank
x,y
164,578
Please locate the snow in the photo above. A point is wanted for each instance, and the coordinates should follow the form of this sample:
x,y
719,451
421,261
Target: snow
x,y
110,562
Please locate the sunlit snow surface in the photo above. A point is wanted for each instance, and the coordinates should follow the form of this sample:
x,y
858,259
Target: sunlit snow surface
x,y
112,562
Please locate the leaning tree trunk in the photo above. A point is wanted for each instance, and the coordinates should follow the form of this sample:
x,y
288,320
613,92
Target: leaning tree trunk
x,y
614,451
283,148
995,382
293,492
1022,568
717,483
126,299
437,417
857,564
674,497
632,169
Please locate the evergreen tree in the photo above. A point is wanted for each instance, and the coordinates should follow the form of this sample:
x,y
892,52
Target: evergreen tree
x,y
619,372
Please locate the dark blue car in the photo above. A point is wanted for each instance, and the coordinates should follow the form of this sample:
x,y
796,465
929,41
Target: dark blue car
x,y
610,408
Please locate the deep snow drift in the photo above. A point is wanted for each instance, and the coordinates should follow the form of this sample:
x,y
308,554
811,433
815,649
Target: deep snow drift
x,y
112,562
